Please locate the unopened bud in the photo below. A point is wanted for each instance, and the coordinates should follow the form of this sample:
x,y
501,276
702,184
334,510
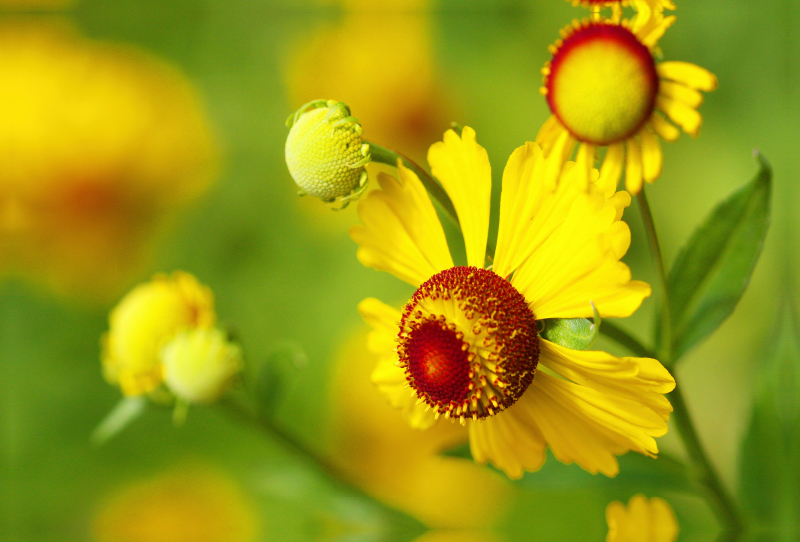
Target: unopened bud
x,y
199,364
325,153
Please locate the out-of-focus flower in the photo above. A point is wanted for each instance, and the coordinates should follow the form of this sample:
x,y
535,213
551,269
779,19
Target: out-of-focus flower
x,y
325,154
199,364
145,321
467,343
381,64
190,504
644,7
642,521
402,466
605,89
100,145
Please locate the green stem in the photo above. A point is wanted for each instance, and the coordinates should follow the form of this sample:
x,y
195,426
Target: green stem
x,y
664,342
621,337
236,410
721,500
382,155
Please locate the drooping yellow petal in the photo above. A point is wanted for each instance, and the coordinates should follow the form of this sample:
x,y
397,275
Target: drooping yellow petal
x,y
401,232
689,74
530,210
633,166
652,159
462,166
510,440
639,379
388,377
664,129
654,28
585,426
581,172
680,92
578,262
681,114
611,170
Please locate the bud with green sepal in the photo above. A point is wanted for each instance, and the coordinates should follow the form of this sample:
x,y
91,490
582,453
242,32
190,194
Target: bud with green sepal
x,y
325,153
574,333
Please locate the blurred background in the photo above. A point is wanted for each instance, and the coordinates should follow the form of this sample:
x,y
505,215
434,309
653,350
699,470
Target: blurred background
x,y
147,136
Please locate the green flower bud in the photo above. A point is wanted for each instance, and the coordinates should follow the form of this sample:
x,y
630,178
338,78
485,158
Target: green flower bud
x,y
574,333
325,153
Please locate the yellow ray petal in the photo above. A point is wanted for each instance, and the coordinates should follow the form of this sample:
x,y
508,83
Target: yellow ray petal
x,y
681,93
401,233
681,114
587,427
577,263
611,170
639,379
691,75
388,377
651,31
633,166
664,522
652,158
510,441
462,166
664,129
530,210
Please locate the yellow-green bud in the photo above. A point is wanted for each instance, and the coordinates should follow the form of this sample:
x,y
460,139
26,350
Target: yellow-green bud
x,y
325,153
198,364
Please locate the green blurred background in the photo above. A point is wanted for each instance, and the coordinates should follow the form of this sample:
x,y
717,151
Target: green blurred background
x,y
284,273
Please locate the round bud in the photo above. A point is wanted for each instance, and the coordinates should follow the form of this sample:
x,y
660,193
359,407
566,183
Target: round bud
x,y
325,153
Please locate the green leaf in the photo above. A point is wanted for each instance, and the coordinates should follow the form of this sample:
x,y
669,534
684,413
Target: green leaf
x,y
274,376
769,486
713,269
126,411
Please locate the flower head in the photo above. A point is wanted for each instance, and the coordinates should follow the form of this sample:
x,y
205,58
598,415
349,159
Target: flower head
x,y
466,343
605,89
642,521
198,364
325,154
145,321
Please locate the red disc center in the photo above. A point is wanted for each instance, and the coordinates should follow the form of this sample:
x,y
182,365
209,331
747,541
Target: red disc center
x,y
438,362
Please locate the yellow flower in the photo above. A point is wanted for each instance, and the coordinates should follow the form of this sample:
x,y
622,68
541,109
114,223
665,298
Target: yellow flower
x,y
101,145
467,344
146,319
641,521
199,364
193,503
605,89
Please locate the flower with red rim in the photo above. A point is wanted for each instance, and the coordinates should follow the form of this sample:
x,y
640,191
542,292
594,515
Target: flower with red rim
x,y
466,345
605,89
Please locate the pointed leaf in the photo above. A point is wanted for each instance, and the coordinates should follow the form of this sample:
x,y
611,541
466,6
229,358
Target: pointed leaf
x,y
713,269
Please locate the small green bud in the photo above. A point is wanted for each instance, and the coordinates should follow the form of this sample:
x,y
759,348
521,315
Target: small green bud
x,y
574,333
325,154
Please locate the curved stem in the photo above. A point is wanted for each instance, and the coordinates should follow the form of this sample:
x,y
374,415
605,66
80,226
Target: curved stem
x,y
623,338
236,410
382,155
664,340
721,500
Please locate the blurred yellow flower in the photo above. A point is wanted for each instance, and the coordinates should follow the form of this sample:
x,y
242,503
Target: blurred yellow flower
x,y
605,89
146,319
402,466
190,504
199,364
381,64
642,521
467,342
100,145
